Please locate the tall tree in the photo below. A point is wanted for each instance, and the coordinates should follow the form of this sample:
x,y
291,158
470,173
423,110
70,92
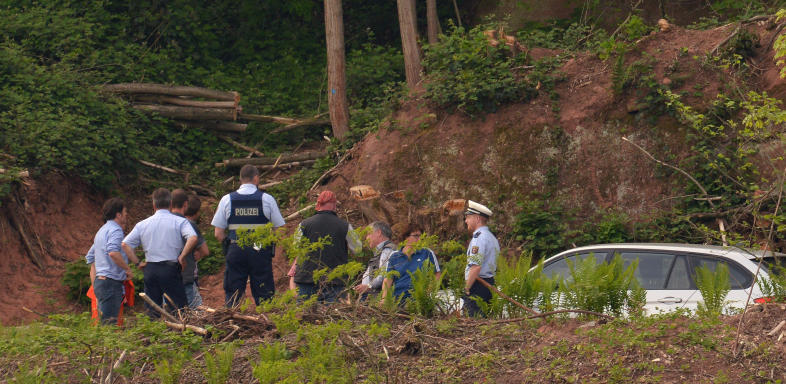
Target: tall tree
x,y
409,41
337,80
433,21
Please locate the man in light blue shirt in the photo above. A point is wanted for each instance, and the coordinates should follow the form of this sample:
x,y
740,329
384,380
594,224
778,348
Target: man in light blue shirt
x,y
481,258
110,263
166,239
246,208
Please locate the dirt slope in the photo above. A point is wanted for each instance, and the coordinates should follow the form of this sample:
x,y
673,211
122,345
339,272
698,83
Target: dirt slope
x,y
575,152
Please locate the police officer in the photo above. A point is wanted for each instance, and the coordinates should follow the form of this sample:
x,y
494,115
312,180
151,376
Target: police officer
x,y
246,208
166,239
481,257
109,263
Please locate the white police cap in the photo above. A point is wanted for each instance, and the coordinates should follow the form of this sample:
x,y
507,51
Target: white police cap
x,y
474,208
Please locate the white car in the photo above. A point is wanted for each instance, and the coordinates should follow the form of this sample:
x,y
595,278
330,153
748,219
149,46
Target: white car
x,y
666,271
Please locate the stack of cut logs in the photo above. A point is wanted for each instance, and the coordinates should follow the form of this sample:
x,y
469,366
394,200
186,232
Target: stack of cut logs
x,y
201,107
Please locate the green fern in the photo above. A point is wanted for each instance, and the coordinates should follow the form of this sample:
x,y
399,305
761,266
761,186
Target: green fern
x,y
714,287
218,365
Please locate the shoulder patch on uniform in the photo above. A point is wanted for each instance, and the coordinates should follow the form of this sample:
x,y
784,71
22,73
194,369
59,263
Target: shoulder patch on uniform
x,y
475,249
476,235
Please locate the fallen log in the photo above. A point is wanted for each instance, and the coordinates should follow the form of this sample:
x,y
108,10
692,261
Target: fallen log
x,y
158,99
223,126
182,327
172,90
312,155
188,113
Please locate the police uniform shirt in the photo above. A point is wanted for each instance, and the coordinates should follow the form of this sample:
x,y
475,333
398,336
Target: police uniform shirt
x,y
269,208
107,239
482,250
163,236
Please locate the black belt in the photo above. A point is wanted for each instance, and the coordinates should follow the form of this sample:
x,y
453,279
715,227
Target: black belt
x,y
167,263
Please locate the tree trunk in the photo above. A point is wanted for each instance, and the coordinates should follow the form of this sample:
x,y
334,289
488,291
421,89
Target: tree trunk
x,y
433,21
160,99
409,41
223,126
337,88
172,90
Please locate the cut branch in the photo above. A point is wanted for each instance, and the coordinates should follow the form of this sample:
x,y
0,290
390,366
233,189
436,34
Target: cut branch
x,y
183,327
158,308
286,165
188,113
312,155
243,147
19,222
173,90
161,167
22,174
506,297
268,119
304,123
300,211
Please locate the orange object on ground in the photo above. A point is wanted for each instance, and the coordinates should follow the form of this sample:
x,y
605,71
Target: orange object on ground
x,y
128,299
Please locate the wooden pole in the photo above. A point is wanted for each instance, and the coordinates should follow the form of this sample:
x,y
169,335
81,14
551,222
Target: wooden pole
x,y
337,90
183,327
172,90
286,165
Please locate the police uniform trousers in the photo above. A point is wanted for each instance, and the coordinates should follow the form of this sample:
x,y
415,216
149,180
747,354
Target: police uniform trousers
x,y
242,264
164,277
480,291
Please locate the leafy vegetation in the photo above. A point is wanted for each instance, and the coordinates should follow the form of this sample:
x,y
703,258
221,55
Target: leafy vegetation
x,y
466,73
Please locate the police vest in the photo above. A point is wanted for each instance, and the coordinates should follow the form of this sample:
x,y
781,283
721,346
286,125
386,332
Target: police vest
x,y
245,212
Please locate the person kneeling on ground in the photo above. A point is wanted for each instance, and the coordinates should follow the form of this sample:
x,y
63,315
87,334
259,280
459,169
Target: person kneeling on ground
x,y
406,261
379,241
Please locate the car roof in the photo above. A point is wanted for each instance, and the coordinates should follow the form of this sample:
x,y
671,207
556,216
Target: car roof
x,y
715,250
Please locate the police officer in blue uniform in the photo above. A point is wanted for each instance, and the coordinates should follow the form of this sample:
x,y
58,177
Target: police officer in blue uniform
x,y
246,208
481,257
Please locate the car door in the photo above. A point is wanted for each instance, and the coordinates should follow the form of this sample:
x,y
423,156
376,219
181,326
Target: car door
x,y
740,279
665,275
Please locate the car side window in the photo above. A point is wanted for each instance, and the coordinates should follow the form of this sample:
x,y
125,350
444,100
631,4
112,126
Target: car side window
x,y
560,267
653,268
680,277
738,277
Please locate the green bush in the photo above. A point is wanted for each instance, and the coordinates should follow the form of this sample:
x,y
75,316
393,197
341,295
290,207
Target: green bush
x,y
466,73
370,70
542,227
